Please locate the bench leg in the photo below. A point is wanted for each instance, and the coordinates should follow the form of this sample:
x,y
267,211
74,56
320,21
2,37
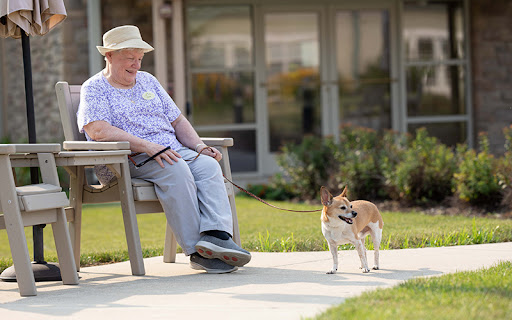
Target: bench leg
x,y
130,221
64,250
15,230
226,169
75,198
170,246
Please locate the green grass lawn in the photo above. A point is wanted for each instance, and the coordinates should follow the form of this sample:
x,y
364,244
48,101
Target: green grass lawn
x,y
481,294
267,229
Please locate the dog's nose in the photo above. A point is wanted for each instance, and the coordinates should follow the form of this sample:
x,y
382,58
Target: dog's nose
x,y
354,214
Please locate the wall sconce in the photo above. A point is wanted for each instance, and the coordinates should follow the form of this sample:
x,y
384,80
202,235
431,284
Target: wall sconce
x,y
165,10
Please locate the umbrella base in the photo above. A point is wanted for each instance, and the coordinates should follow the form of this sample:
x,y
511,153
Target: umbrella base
x,y
43,271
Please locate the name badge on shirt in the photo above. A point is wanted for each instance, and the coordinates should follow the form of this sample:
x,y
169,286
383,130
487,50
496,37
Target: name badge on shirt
x,y
148,95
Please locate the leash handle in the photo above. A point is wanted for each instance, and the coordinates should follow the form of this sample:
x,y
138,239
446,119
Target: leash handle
x,y
138,165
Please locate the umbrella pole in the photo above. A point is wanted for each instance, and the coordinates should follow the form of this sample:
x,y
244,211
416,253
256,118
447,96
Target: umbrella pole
x,y
43,271
37,231
29,92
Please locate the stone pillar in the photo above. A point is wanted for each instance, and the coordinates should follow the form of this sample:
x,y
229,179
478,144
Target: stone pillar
x,y
491,44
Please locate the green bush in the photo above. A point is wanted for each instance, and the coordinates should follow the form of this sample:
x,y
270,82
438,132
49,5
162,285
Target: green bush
x,y
476,178
274,191
358,161
389,165
394,147
363,156
306,166
505,169
425,173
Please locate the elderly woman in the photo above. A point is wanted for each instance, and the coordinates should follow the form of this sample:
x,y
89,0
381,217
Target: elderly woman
x,y
121,103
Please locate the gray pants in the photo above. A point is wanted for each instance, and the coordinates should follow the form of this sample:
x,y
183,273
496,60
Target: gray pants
x,y
192,194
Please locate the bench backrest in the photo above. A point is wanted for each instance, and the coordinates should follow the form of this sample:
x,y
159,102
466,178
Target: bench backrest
x,y
68,97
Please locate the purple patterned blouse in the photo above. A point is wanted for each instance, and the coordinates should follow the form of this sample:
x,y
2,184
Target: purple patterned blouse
x,y
145,111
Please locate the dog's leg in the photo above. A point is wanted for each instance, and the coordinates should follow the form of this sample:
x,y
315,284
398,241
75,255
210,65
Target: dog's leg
x,y
377,238
333,247
361,250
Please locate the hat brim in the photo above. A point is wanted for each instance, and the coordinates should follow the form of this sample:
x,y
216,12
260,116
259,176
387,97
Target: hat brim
x,y
131,44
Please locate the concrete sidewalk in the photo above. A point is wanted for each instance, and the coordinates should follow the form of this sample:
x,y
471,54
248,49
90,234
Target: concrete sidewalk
x,y
271,286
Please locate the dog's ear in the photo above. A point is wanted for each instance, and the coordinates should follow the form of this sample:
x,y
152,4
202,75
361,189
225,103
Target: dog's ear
x,y
344,192
326,196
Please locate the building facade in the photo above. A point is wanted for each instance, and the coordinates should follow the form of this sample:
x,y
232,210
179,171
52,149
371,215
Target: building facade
x,y
269,72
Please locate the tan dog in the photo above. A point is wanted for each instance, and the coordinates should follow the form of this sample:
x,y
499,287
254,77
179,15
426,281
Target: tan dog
x,y
350,222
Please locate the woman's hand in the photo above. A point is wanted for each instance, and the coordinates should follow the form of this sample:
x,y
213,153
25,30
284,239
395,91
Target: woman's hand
x,y
210,151
170,155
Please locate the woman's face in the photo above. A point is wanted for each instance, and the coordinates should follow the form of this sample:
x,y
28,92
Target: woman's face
x,y
124,65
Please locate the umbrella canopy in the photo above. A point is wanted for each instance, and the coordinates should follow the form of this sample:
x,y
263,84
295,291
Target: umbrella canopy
x,y
35,17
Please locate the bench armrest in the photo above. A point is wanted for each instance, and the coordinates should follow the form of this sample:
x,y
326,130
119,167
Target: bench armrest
x,y
222,142
7,149
37,147
94,145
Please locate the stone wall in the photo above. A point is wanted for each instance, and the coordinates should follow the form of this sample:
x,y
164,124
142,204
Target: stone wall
x,y
55,56
46,58
60,55
491,42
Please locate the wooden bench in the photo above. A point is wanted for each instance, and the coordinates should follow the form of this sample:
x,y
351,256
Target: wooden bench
x,y
142,198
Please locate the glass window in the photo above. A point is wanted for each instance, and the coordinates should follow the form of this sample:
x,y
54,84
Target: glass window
x,y
426,49
242,155
222,76
292,69
220,36
433,30
362,54
436,67
223,98
435,90
449,133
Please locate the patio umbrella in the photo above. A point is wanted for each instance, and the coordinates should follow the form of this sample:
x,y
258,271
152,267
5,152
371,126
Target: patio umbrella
x,y
21,19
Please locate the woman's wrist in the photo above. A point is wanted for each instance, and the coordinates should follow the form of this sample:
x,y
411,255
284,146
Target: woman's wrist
x,y
199,145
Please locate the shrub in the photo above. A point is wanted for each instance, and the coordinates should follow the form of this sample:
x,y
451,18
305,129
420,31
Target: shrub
x,y
274,191
477,182
363,154
358,161
505,169
306,166
426,171
383,165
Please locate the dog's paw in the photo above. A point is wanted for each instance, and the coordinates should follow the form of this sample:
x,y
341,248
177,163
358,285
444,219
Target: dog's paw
x,y
332,272
365,270
375,268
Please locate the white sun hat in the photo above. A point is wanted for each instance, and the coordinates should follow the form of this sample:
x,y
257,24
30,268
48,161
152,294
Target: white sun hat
x,y
123,37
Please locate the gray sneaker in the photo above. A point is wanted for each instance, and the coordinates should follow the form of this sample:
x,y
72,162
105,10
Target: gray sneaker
x,y
210,265
226,250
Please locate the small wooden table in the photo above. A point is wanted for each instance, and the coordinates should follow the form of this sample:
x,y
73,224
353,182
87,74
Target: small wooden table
x,y
75,162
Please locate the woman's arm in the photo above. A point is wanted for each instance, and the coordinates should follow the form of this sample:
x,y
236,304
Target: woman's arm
x,y
188,137
103,131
